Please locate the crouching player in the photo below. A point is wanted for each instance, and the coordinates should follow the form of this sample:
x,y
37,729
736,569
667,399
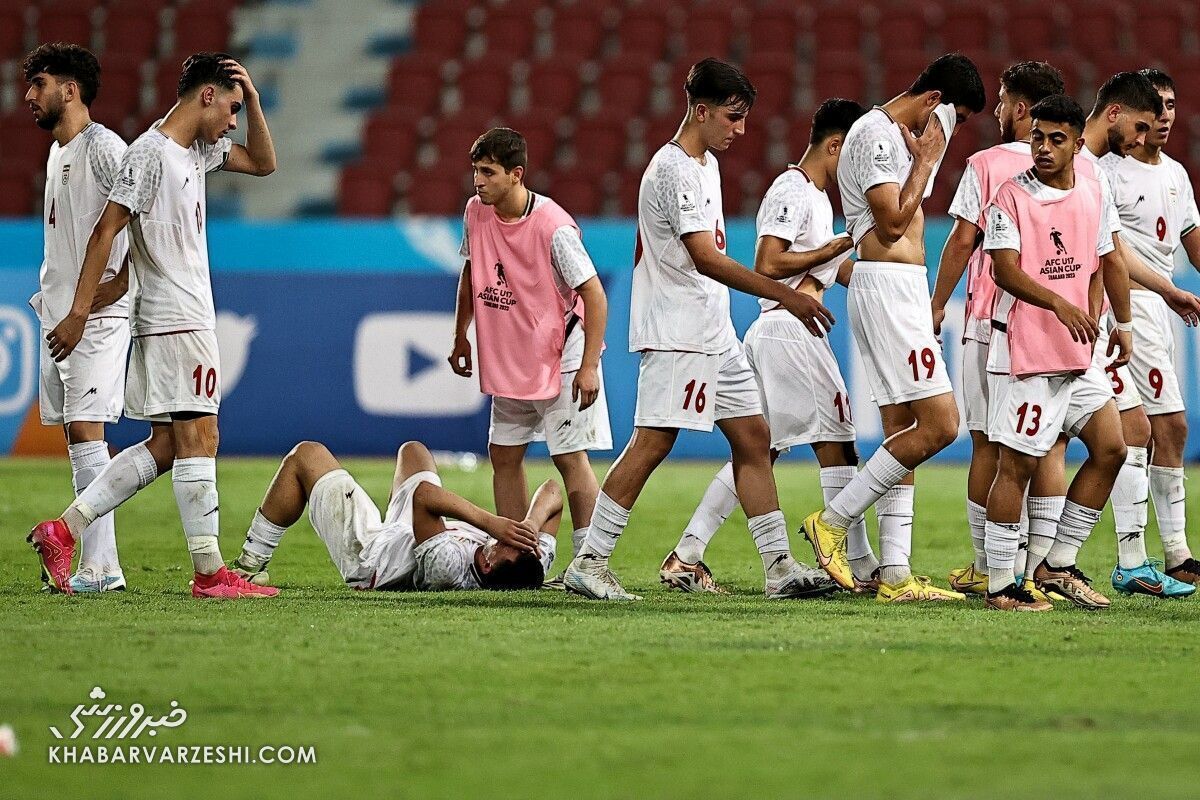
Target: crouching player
x,y
1049,238
411,546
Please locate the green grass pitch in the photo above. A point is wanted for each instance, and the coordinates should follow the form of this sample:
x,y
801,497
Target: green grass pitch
x,y
542,695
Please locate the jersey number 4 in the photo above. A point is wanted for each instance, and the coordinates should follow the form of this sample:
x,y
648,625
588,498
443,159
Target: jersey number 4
x,y
51,220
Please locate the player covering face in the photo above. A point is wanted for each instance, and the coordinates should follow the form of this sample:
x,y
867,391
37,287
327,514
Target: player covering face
x,y
412,546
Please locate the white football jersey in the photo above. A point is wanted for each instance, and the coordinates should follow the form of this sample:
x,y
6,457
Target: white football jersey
x,y
795,210
446,562
162,184
1156,206
672,306
875,153
79,177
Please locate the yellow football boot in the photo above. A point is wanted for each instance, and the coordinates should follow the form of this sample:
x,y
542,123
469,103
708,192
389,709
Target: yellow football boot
x,y
915,589
829,545
969,580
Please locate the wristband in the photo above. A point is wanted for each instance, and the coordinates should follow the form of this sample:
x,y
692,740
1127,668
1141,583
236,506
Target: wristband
x,y
1125,327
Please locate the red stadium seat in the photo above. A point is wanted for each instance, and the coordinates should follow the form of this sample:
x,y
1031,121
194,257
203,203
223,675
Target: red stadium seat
x,y
199,27
23,141
966,27
12,29
600,143
16,194
842,27
839,74
120,89
541,139
624,85
660,130
65,24
1101,32
628,184
455,135
643,31
1033,31
579,192
364,192
440,31
775,91
578,31
1158,28
415,83
709,29
906,25
434,192
390,140
900,68
775,30
132,32
484,86
554,83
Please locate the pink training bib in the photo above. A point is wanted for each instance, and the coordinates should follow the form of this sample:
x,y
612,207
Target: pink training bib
x,y
1058,251
520,326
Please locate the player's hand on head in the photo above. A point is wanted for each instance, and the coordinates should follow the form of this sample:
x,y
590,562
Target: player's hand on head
x,y
585,388
65,336
808,309
238,73
1186,305
521,535
460,357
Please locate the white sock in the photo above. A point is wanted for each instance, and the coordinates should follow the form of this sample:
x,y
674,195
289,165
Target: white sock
x,y
858,547
1130,495
895,513
1001,540
1044,513
98,543
881,472
1022,542
577,537
1074,528
131,471
770,537
608,523
1166,486
976,519
262,539
195,483
720,498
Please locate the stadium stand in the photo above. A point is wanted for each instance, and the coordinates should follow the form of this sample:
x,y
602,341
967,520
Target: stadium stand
x,y
370,99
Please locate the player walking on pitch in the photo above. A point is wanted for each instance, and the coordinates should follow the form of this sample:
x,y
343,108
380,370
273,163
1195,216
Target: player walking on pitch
x,y
85,391
885,172
174,370
539,311
803,393
1044,381
1158,213
694,370
411,546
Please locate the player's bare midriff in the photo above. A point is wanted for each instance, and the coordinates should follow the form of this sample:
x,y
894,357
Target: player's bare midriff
x,y
908,249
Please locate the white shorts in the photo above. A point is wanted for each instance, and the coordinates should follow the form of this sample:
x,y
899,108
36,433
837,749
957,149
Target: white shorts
x,y
1153,363
892,322
173,373
803,394
1124,388
370,552
557,422
691,391
975,384
1029,414
89,385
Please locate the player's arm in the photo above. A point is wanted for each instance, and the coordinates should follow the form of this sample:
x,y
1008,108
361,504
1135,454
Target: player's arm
x,y
257,156
1183,303
845,272
67,333
1116,286
712,263
893,206
1012,279
585,388
111,291
964,238
439,502
547,503
773,259
464,312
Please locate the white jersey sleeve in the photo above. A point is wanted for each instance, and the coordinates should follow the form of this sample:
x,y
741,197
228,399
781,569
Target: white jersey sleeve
x,y
967,204
1110,221
681,196
785,211
873,159
215,155
104,159
138,179
1191,216
570,258
464,249
1001,232
444,563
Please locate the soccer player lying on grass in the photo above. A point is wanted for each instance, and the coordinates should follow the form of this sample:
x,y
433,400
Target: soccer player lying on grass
x,y
411,546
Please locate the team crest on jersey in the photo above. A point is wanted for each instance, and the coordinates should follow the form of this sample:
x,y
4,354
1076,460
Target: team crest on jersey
x,y
66,173
785,215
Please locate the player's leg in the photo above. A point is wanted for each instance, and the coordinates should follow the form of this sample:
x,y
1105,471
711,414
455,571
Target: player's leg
x,y
1131,491
1005,506
582,488
894,510
99,565
838,463
1166,486
284,503
509,485
1086,497
1047,497
972,579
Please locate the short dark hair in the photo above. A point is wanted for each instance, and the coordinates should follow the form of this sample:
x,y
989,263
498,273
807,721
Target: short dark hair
x,y
1158,79
834,116
66,61
719,83
1061,109
201,69
956,77
1130,90
504,146
523,572
1033,81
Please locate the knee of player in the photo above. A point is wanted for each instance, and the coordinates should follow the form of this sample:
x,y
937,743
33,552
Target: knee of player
x,y
1111,453
1173,428
505,457
943,431
1018,466
1136,427
306,452
753,441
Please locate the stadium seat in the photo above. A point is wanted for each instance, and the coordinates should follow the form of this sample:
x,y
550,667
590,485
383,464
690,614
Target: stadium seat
x,y
415,83
432,192
484,86
624,85
455,135
643,31
966,27
579,192
708,31
578,32
905,25
659,130
120,89
64,23
508,33
775,29
839,74
554,83
537,125
199,26
776,88
12,29
842,27
1033,31
900,68
390,140
16,194
1102,31
628,184
364,192
1158,28
440,30
600,143
131,31
23,141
